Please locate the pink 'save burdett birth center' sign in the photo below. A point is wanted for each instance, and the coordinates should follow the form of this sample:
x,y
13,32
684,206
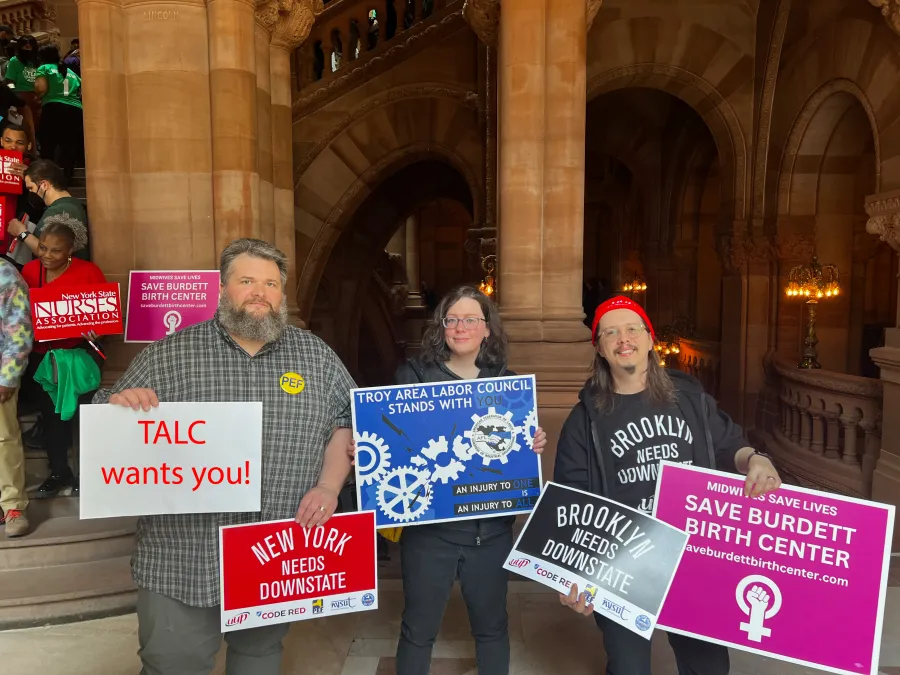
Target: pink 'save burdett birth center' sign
x,y
773,575
162,302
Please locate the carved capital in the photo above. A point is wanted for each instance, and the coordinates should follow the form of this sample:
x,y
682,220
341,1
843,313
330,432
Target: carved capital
x,y
294,20
795,247
890,10
884,217
484,18
738,251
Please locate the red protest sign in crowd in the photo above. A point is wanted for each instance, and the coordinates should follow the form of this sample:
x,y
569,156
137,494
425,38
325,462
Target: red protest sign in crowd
x,y
277,571
72,311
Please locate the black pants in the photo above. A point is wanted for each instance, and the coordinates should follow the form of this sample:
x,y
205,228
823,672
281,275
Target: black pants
x,y
62,130
430,565
627,653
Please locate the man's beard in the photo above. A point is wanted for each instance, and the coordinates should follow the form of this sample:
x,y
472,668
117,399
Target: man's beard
x,y
241,323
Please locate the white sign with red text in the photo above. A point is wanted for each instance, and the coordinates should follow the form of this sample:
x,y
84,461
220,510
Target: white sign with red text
x,y
177,458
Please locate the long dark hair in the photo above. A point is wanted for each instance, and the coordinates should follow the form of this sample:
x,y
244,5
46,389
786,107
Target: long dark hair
x,y
49,54
659,390
28,57
493,348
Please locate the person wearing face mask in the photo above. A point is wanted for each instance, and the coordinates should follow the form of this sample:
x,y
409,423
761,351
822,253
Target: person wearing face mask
x,y
56,266
46,180
464,341
633,413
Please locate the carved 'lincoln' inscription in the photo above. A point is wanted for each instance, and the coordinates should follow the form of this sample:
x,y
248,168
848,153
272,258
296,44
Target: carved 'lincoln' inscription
x,y
160,15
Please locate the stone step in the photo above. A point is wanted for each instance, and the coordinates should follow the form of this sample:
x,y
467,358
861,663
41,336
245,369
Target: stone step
x,y
64,593
58,537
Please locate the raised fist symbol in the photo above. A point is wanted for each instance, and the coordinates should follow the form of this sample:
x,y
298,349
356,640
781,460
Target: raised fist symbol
x,y
758,598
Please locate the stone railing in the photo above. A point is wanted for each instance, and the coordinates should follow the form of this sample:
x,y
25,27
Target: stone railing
x,y
828,432
345,48
30,17
701,358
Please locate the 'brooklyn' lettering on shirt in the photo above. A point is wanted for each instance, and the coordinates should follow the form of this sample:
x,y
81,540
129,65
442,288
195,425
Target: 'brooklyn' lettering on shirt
x,y
648,428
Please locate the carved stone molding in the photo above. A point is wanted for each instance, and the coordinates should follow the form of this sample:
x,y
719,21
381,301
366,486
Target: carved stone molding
x,y
288,21
890,10
795,247
739,251
884,217
484,18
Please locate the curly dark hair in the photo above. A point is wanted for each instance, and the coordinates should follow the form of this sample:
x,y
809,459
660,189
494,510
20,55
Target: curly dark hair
x,y
493,348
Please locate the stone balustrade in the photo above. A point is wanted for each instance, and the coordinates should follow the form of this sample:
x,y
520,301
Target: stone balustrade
x,y
827,431
30,17
701,358
343,34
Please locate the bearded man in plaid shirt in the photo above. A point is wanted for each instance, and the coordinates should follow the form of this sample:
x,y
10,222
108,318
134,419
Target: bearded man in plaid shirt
x,y
243,354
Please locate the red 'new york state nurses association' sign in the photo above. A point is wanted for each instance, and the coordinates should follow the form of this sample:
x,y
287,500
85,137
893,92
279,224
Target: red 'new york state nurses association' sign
x,y
71,311
277,572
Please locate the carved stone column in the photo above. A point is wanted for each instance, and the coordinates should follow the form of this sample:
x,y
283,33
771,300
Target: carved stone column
x,y
266,18
232,81
295,20
884,221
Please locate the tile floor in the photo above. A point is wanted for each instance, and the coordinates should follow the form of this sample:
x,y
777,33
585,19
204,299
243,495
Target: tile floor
x,y
546,638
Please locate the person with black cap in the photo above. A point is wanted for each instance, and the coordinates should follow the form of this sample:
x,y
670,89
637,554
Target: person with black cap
x,y
633,413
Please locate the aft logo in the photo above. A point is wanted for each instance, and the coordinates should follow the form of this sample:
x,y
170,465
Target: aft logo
x,y
368,600
238,620
318,607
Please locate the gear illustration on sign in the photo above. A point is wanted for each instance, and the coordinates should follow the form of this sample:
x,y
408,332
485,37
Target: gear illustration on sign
x,y
373,457
463,450
530,428
405,493
494,436
441,472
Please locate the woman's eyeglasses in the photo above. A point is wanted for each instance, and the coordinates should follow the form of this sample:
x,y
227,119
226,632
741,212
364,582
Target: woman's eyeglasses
x,y
469,322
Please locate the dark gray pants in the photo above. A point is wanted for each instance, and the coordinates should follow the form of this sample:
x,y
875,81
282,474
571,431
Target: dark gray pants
x,y
430,565
627,653
177,639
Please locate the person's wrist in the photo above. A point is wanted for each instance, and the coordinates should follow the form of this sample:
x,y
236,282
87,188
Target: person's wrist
x,y
759,457
330,489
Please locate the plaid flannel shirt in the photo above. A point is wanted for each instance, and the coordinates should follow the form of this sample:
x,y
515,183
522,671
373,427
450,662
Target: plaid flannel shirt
x,y
15,318
178,555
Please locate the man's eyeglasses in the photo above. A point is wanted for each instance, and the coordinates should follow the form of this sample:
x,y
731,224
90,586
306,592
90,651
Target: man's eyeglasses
x,y
631,332
469,322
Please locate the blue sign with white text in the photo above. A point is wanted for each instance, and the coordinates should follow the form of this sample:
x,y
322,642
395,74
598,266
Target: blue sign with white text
x,y
429,453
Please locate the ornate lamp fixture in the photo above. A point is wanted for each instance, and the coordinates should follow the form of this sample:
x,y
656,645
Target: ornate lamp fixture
x,y
813,282
634,284
488,284
668,338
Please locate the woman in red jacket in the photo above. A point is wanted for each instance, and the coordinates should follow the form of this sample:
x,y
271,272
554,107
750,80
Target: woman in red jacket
x,y
61,236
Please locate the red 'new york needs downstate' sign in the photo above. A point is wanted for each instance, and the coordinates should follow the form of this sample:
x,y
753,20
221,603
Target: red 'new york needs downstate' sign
x,y
70,311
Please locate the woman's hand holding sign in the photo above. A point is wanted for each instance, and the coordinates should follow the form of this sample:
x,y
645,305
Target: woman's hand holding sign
x,y
576,601
136,399
762,477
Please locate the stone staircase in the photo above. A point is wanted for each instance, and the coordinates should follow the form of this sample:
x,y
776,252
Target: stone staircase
x,y
66,569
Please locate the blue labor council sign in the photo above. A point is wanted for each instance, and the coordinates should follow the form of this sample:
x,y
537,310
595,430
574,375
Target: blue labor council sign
x,y
429,453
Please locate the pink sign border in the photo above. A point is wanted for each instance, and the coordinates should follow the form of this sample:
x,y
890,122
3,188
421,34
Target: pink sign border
x,y
879,626
131,274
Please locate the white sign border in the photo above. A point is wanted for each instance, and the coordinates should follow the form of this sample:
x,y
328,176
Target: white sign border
x,y
662,602
879,624
374,591
128,308
476,516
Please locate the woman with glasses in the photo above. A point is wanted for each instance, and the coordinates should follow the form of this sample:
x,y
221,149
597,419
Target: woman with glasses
x,y
464,341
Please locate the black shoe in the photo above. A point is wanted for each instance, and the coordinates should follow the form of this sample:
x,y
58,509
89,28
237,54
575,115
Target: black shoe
x,y
57,484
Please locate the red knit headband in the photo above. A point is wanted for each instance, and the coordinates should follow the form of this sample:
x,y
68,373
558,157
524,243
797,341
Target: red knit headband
x,y
620,302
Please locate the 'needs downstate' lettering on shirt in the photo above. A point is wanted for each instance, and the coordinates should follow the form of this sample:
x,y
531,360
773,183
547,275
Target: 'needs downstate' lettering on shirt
x,y
639,436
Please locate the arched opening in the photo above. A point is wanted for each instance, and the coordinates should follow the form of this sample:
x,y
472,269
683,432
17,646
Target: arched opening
x,y
371,302
652,207
829,169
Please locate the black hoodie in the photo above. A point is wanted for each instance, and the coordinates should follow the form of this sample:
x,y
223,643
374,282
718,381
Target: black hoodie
x,y
470,532
583,462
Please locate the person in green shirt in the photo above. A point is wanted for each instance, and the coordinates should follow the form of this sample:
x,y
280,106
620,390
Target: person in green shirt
x,y
46,180
62,119
22,68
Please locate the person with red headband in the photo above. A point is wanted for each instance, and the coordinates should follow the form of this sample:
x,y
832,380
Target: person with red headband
x,y
633,413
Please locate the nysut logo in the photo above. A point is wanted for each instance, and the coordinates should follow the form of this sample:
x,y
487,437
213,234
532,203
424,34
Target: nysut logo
x,y
238,619
368,600
292,383
493,436
318,606
344,603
